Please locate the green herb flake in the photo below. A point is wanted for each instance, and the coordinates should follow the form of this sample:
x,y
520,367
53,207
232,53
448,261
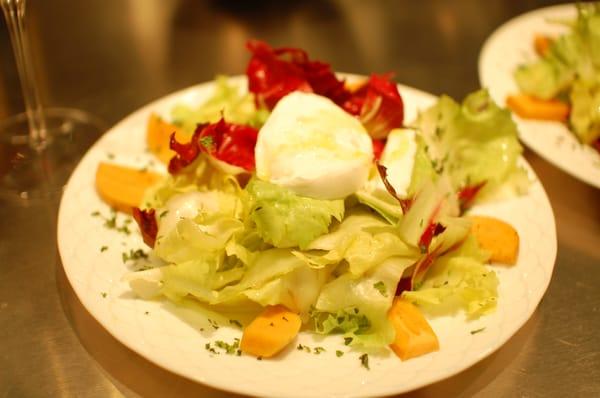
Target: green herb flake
x,y
206,141
103,249
380,286
95,213
235,322
103,294
477,331
163,213
364,361
214,324
318,350
229,349
347,340
133,255
339,353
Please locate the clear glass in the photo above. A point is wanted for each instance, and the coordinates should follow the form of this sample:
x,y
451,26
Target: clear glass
x,y
39,148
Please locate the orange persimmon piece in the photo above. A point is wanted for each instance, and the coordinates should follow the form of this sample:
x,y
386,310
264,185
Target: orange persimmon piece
x,y
541,44
158,135
530,107
123,187
497,237
270,332
414,336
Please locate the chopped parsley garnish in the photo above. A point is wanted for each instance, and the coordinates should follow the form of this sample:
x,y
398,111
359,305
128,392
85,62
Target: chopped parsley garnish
x,y
112,222
103,294
348,340
477,331
235,322
133,255
304,348
364,361
380,286
214,324
339,353
146,313
103,249
318,350
163,213
206,141
230,349
110,155
210,349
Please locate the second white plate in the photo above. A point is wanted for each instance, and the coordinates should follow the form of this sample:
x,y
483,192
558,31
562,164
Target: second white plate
x,y
508,47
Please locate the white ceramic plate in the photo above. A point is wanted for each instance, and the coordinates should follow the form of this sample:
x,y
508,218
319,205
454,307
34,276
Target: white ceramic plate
x,y
152,330
512,45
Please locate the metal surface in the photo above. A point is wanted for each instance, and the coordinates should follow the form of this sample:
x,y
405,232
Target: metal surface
x,y
111,56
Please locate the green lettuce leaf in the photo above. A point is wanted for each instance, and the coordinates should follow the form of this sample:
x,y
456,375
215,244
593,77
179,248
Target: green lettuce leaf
x,y
226,101
473,142
357,307
285,219
458,280
363,240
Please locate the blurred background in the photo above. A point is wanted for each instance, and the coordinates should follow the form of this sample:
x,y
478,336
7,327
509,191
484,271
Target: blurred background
x,y
109,57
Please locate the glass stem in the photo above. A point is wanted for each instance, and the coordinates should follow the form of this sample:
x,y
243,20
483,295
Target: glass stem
x,y
14,12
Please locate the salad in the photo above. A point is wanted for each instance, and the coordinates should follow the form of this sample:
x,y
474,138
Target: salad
x,y
307,202
563,84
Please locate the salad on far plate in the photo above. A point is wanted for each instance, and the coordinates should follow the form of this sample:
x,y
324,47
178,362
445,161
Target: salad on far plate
x,y
308,203
563,84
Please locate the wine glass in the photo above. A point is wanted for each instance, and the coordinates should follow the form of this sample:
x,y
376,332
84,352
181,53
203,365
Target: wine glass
x,y
40,147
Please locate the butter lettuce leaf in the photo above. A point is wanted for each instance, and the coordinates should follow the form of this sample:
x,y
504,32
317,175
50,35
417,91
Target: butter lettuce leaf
x,y
227,101
458,280
285,219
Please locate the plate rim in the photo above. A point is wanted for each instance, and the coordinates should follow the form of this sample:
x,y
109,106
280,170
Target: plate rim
x,y
115,333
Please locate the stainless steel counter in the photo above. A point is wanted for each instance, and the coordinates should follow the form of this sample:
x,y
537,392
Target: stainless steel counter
x,y
111,56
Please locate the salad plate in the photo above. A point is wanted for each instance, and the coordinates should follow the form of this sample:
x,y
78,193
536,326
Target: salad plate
x,y
94,257
510,46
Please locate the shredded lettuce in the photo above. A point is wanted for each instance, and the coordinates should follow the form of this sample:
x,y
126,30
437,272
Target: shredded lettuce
x,y
473,142
285,219
569,71
226,101
358,307
458,280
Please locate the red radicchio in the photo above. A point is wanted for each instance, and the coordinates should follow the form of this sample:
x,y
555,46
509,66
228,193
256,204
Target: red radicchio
x,y
467,195
432,230
404,203
146,220
274,73
381,107
378,146
596,145
230,143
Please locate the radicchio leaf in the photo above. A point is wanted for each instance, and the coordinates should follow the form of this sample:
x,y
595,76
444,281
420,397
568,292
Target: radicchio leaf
x,y
381,107
404,203
228,142
467,195
274,73
146,220
596,145
378,146
432,230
